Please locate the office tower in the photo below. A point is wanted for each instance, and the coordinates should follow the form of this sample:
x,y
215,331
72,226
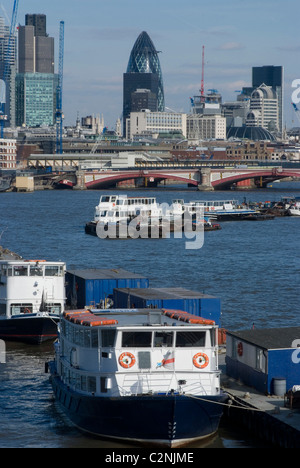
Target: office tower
x,y
36,82
264,109
143,72
39,22
8,64
36,49
274,77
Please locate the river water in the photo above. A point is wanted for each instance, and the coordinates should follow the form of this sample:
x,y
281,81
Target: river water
x,y
253,267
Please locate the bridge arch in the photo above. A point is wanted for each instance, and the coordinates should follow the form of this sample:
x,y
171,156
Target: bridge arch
x,y
267,177
101,180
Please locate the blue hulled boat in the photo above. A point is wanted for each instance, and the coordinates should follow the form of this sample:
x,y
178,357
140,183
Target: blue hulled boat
x,y
142,376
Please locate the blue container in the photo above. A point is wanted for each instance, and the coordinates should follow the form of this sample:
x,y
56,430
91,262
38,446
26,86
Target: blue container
x,y
196,303
93,286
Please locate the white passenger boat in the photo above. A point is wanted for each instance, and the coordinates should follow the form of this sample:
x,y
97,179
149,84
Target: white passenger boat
x,y
120,210
116,208
139,375
220,209
32,298
294,209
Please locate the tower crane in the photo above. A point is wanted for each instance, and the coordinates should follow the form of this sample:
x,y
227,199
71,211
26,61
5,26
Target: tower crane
x,y
202,77
7,63
59,114
297,111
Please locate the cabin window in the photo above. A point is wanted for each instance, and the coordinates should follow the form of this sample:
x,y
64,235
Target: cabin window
x,y
91,384
20,271
53,308
136,339
17,309
2,309
163,339
190,339
36,271
94,338
108,338
53,271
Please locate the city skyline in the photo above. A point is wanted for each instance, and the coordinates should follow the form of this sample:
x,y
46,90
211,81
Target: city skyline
x,y
99,37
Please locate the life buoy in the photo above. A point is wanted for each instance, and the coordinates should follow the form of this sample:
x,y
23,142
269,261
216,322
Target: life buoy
x,y
200,360
240,349
127,360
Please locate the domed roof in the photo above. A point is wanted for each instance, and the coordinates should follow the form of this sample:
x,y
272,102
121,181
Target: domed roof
x,y
264,92
250,133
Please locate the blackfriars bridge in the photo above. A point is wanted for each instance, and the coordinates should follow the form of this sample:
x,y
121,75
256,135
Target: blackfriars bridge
x,y
204,177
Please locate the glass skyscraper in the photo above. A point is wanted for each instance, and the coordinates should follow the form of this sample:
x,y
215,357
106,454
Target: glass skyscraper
x,y
143,72
36,95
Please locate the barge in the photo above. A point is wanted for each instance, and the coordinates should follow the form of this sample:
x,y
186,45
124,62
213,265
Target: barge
x,y
142,376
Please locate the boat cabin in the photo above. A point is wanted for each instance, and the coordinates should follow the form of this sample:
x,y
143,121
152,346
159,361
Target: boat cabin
x,y
114,208
28,286
119,352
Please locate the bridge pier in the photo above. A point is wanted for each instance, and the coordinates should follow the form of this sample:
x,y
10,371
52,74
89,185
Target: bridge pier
x,y
80,185
205,177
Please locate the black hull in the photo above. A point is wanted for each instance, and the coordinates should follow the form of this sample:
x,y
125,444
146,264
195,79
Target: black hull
x,y
32,330
91,229
152,420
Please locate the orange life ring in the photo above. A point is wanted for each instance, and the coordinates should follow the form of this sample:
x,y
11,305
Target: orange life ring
x,y
127,360
200,360
240,349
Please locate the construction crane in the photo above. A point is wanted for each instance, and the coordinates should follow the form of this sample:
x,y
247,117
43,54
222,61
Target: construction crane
x,y
7,63
297,111
59,113
202,78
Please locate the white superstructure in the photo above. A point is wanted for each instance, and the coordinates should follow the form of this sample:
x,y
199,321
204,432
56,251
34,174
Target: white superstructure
x,y
31,286
120,353
116,208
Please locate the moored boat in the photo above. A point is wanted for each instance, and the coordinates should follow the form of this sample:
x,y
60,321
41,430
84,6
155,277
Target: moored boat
x,y
118,216
142,376
32,298
221,210
294,209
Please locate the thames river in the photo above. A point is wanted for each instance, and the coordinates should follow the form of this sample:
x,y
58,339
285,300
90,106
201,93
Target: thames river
x,y
253,267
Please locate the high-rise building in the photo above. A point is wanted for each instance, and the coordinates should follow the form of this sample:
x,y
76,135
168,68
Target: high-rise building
x,y
39,22
272,76
36,48
143,72
8,66
36,82
264,109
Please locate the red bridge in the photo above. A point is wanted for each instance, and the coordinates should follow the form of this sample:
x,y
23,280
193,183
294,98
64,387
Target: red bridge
x,y
204,177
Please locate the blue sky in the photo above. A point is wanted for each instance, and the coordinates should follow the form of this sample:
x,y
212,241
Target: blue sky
x,y
99,36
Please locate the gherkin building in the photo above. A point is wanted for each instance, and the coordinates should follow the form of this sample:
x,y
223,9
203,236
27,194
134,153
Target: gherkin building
x,y
143,72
